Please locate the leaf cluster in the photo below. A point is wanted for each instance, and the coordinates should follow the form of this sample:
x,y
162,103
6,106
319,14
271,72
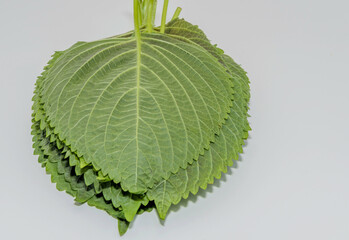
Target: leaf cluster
x,y
136,122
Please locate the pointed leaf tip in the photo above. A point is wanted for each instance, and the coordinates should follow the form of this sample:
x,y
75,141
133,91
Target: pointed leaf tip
x,y
123,226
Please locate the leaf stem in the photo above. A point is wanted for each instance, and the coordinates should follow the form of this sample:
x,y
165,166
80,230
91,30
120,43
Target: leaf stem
x,y
176,14
154,11
164,15
149,10
136,15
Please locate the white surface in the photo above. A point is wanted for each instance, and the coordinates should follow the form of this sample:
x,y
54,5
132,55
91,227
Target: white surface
x,y
292,182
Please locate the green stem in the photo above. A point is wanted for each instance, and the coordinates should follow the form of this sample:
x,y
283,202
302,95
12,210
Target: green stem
x,y
154,11
140,13
164,15
136,15
150,15
176,14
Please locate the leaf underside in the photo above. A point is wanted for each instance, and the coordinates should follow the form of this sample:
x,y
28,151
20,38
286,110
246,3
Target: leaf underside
x,y
128,125
137,121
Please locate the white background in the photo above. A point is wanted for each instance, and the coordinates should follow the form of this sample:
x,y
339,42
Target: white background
x,y
291,183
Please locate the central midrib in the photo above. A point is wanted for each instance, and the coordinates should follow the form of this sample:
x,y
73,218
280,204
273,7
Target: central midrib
x,y
138,77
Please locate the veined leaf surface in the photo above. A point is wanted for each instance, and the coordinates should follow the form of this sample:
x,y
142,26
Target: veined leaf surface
x,y
133,115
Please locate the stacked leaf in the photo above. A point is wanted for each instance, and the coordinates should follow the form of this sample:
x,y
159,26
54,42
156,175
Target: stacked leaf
x,y
141,120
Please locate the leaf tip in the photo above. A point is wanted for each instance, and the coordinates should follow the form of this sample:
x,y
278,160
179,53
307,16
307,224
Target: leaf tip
x,y
123,226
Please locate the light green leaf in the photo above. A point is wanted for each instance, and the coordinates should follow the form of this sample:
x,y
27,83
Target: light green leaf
x,y
140,120
133,113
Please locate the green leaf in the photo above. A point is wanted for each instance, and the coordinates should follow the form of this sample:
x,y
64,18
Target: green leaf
x,y
134,113
140,120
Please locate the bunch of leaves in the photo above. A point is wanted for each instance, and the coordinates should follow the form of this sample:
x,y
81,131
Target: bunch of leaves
x,y
139,121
